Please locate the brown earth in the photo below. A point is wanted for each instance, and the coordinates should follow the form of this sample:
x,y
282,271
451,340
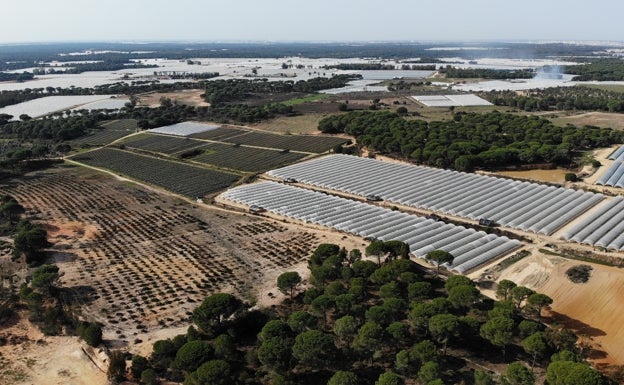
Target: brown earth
x,y
139,262
187,97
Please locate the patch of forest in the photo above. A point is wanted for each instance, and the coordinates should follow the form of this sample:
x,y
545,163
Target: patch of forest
x,y
363,322
485,73
470,140
559,98
598,70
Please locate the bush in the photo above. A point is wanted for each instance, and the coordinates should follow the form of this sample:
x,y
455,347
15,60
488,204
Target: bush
x,y
571,177
92,335
579,273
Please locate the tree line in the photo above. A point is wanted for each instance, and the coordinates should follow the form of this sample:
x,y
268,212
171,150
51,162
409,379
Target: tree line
x,y
559,98
470,140
598,70
384,321
485,73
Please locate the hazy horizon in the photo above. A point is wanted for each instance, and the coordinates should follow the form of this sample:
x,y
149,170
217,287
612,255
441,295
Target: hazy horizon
x,y
31,21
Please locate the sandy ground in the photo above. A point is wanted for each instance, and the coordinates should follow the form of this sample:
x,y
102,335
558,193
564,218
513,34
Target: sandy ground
x,y
29,357
187,97
600,119
591,309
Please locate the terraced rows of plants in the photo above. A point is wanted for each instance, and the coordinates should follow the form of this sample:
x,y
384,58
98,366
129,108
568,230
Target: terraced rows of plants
x,y
221,133
141,260
107,133
162,144
305,143
248,159
180,178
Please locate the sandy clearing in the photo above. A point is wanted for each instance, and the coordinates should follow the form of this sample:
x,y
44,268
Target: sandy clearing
x,y
592,309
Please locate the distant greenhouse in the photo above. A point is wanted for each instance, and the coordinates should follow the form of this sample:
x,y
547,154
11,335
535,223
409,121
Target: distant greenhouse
x,y
469,247
184,129
522,205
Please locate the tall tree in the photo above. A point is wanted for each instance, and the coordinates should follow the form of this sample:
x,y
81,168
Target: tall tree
x,y
535,345
498,331
214,310
443,327
287,282
538,301
438,257
314,349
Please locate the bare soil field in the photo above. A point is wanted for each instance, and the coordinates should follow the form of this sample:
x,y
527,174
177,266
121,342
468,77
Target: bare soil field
x,y
591,309
598,119
552,176
300,124
187,97
140,261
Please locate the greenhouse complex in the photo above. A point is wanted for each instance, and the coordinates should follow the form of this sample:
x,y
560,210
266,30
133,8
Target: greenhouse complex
x,y
614,176
469,247
521,205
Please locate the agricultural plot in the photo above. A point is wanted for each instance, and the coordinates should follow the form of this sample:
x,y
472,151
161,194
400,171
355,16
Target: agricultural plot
x,y
137,260
470,248
107,133
248,159
180,178
522,205
184,129
219,134
614,176
304,143
603,227
162,144
459,100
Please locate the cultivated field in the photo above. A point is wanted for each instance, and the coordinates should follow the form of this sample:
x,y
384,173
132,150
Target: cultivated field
x,y
247,159
139,261
180,178
106,133
309,143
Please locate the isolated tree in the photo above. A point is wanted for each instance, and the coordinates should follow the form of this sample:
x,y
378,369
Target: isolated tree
x,y
274,328
538,301
370,337
517,374
535,345
92,335
321,306
498,331
276,353
503,290
375,249
214,310
343,378
116,366
214,372
314,349
520,294
44,278
300,321
424,351
192,354
457,280
572,373
138,365
288,282
482,378
428,372
389,378
439,257
463,296
345,328
443,327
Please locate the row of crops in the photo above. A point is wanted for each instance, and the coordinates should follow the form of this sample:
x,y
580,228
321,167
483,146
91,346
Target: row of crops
x,y
229,156
469,247
106,133
181,178
521,205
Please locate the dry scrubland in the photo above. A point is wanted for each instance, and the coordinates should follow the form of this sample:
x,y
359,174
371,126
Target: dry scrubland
x,y
140,261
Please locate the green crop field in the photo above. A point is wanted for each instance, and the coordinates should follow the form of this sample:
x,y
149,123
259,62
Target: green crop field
x,y
305,143
248,159
180,178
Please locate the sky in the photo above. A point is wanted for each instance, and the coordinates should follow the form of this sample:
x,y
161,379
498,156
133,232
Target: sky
x,y
318,20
